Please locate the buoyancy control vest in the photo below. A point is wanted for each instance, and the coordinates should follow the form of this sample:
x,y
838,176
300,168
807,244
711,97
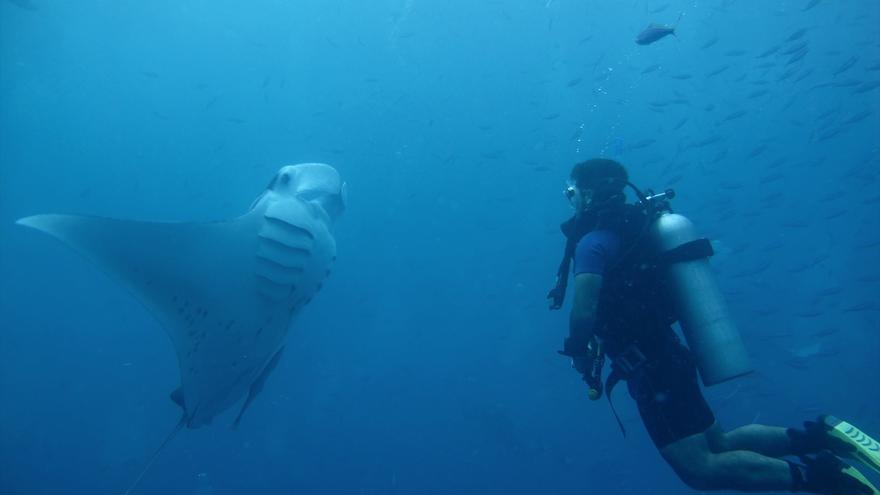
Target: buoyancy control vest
x,y
632,309
661,275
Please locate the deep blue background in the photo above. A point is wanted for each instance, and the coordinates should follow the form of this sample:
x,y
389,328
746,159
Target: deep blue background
x,y
428,363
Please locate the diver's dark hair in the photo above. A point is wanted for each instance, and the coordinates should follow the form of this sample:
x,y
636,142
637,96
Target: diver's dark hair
x,y
600,173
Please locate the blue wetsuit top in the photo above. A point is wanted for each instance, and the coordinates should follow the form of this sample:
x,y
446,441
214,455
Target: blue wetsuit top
x,y
596,251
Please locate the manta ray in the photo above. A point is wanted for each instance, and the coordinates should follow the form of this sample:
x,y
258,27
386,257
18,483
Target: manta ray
x,y
226,292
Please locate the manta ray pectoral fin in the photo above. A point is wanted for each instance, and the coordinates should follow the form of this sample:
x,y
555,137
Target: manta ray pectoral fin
x,y
257,386
177,397
173,268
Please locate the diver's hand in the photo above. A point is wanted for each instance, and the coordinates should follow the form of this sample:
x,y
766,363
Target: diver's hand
x,y
555,298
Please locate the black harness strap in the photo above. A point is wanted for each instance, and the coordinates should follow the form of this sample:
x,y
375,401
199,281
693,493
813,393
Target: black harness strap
x,y
693,250
613,378
558,292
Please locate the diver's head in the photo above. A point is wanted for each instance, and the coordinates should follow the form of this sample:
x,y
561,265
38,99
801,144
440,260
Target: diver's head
x,y
596,183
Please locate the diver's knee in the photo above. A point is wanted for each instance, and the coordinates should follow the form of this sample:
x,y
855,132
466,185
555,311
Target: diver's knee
x,y
697,474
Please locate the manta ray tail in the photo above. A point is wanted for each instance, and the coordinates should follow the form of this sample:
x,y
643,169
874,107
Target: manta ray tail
x,y
180,425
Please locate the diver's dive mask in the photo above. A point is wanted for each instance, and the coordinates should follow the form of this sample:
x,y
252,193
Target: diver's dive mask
x,y
578,198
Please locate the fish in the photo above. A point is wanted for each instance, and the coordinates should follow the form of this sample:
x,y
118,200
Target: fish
x,y
777,162
226,292
709,43
827,113
788,73
830,133
862,306
717,71
803,75
655,32
846,65
758,93
866,86
797,35
680,124
770,51
845,84
831,215
574,82
24,4
707,141
794,48
788,104
734,115
719,156
213,101
644,143
797,56
658,9
681,77
810,5
757,151
860,116
771,178
650,68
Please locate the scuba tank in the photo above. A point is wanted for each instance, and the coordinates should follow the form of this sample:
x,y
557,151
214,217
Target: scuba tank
x,y
690,283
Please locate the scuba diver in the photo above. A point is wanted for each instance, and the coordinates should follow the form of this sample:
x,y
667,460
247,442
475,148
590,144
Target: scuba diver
x,y
638,268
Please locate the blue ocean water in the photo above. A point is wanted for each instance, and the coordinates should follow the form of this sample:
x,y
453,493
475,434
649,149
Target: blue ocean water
x,y
428,363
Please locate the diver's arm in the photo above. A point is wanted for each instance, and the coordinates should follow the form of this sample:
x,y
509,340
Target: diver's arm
x,y
583,314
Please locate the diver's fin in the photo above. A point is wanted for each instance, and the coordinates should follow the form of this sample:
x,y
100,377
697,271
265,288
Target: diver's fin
x,y
257,386
854,473
858,446
180,425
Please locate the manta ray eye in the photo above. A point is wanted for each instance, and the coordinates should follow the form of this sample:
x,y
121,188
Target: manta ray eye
x,y
285,179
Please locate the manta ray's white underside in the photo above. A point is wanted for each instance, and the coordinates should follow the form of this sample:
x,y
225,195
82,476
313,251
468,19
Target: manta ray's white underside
x,y
226,292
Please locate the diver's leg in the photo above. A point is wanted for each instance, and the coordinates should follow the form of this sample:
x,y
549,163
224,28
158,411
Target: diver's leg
x,y
772,441
701,469
826,433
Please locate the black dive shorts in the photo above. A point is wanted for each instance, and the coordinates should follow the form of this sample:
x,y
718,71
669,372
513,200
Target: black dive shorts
x,y
670,401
